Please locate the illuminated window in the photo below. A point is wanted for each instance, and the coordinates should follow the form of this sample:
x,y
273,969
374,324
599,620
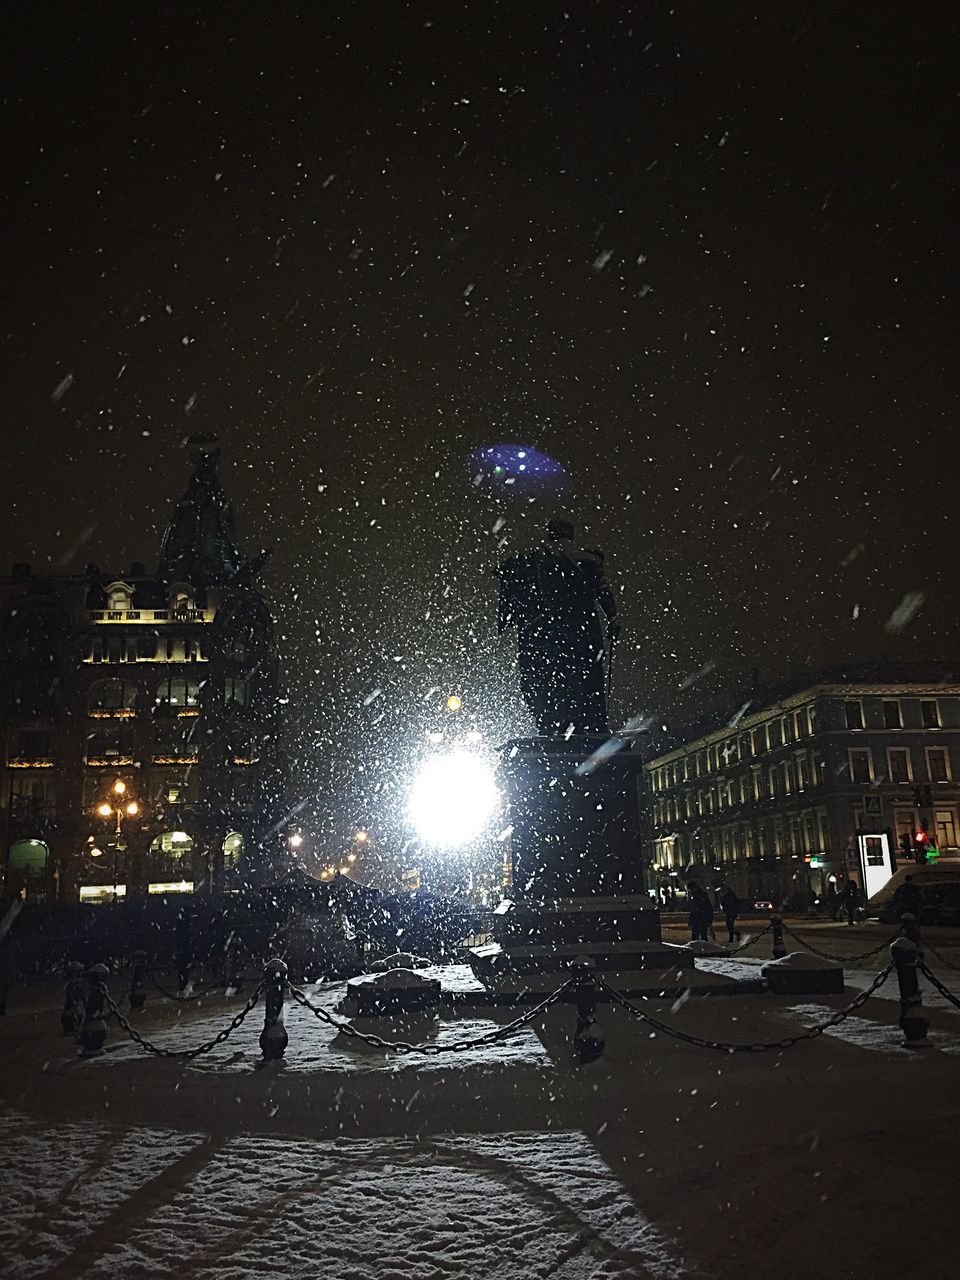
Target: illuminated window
x,y
860,762
930,713
938,764
898,764
853,710
178,692
892,718
232,850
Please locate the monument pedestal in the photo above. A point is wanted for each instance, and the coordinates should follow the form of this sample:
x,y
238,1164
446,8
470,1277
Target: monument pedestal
x,y
577,876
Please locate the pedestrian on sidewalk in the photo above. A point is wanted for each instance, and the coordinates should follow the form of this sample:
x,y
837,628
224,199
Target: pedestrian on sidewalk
x,y
701,912
730,906
850,899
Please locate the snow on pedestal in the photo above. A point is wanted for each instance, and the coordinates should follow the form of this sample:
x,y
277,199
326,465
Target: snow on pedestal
x,y
701,948
397,1005
801,973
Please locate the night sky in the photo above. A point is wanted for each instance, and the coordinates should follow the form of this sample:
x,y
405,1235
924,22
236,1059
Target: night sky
x,y
705,255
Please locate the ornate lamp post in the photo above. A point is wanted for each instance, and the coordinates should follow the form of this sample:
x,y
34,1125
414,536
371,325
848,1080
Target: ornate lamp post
x,y
118,807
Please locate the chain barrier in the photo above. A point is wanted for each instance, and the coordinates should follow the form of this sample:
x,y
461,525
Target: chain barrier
x,y
207,1045
432,1050
760,1046
750,941
864,955
943,959
935,981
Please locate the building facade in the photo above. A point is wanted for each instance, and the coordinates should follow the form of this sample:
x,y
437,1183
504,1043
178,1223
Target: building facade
x,y
830,781
139,717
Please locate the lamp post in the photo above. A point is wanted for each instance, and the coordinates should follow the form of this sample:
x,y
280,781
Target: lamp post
x,y
118,807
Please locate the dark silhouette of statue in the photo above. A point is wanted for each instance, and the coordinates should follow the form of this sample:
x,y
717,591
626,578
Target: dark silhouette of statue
x,y
555,597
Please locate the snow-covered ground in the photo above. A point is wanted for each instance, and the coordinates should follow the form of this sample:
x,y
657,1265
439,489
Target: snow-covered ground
x,y
108,1202
660,1159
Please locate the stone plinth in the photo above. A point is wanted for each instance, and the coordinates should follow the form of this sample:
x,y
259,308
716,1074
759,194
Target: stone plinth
x,y
574,818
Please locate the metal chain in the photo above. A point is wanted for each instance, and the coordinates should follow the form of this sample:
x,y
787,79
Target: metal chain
x,y
864,955
432,1050
944,991
943,959
750,941
219,1038
761,1046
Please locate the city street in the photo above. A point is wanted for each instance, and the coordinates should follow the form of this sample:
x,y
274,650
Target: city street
x,y
660,1159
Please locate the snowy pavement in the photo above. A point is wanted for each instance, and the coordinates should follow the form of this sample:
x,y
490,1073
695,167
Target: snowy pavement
x,y
139,1202
660,1159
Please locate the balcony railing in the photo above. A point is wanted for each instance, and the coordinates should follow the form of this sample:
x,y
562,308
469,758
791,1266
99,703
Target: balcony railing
x,y
147,615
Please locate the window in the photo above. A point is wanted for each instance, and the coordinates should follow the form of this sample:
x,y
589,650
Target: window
x,y
175,741
773,783
816,769
232,850
177,692
811,718
930,713
111,695
898,764
758,741
861,765
30,744
798,719
938,764
891,714
788,786
147,647
113,744
803,771
118,597
853,709
773,735
946,828
236,690
757,783
786,728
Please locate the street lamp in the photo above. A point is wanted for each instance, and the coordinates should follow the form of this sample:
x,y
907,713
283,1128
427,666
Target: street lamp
x,y
118,808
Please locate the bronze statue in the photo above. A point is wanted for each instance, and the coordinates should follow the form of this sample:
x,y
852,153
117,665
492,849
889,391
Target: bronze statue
x,y
554,598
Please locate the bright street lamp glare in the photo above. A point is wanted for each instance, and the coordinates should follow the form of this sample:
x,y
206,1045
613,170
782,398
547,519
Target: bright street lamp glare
x,y
119,787
453,798
104,810
454,703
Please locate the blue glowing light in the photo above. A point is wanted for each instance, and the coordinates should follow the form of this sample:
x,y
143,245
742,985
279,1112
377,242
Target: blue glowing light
x,y
512,463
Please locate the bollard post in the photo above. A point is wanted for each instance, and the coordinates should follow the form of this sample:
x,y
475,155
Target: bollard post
x,y
588,1039
909,927
776,924
138,989
71,1015
273,1037
93,1032
905,955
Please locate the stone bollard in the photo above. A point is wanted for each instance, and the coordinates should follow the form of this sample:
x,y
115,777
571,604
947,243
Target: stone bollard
x,y
909,927
776,924
93,1032
273,1037
71,1015
138,989
905,955
588,1039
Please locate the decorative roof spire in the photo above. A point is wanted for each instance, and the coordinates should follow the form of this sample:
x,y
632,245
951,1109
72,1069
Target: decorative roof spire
x,y
200,542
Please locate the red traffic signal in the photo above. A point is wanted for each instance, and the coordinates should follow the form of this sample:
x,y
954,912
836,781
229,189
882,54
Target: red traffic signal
x,y
921,837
